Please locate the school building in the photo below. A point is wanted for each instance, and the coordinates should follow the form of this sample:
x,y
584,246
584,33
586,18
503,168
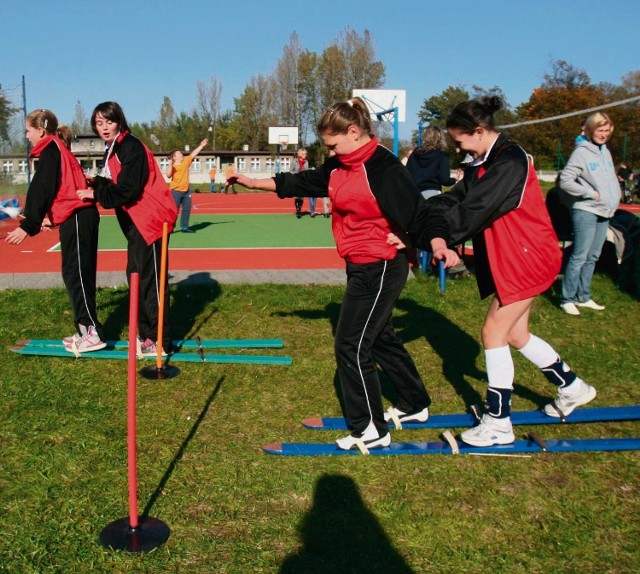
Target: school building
x,y
89,150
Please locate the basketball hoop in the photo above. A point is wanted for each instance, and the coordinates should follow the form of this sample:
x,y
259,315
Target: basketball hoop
x,y
283,142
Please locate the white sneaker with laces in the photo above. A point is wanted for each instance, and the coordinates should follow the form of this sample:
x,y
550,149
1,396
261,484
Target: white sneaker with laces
x,y
68,340
489,431
591,304
149,348
575,395
86,343
369,439
397,417
570,308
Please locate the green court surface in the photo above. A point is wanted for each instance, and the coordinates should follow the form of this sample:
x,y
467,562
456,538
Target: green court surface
x,y
236,232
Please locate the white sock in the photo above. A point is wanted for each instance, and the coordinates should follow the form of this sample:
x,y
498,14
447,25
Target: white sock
x,y
499,367
539,352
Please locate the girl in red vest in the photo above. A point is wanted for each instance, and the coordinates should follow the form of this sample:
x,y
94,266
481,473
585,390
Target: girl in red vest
x,y
372,195
500,205
133,185
52,201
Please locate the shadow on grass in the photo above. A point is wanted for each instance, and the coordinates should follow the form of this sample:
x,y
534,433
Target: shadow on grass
x,y
340,534
456,348
189,299
183,447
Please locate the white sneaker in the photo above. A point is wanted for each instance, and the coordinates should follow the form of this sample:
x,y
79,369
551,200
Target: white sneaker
x,y
575,395
489,431
69,340
395,416
570,308
149,348
369,439
88,342
591,304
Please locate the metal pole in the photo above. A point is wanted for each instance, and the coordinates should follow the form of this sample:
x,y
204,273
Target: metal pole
x,y
24,109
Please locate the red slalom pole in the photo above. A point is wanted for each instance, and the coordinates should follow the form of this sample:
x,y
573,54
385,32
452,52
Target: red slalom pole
x,y
133,533
134,290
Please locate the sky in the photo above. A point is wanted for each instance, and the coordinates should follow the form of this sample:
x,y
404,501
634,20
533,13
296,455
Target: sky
x,y
137,52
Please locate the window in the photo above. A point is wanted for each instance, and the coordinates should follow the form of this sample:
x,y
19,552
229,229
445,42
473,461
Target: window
x,y
164,163
255,164
285,164
269,164
22,166
7,166
195,166
210,163
242,164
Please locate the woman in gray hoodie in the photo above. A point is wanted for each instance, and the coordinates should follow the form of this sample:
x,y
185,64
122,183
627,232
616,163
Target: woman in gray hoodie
x,y
591,182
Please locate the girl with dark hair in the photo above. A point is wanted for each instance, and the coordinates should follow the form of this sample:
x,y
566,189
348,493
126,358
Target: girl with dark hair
x,y
52,201
500,205
133,185
372,195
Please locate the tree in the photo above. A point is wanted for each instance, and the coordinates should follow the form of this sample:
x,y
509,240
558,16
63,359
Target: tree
x,y
566,89
348,63
6,114
434,110
80,124
564,75
210,104
254,109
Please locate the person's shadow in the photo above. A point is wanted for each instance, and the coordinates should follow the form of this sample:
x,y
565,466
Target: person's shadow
x,y
340,535
188,300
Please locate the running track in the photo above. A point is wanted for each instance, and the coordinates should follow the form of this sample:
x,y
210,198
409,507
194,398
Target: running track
x,y
34,255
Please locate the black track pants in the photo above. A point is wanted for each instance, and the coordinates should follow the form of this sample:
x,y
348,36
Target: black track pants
x,y
79,249
365,336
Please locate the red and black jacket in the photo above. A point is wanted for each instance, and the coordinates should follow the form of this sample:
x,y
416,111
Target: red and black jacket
x,y
500,205
371,194
137,188
52,191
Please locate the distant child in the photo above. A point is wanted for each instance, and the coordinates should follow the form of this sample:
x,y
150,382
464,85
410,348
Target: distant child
x,y
229,184
178,172
133,185
212,179
52,201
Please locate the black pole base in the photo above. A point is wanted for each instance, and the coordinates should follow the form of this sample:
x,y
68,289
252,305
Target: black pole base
x,y
149,534
157,374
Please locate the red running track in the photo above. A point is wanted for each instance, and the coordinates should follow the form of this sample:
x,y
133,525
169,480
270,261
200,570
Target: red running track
x,y
34,255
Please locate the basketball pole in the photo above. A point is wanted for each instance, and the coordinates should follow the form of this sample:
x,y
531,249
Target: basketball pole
x,y
161,371
133,533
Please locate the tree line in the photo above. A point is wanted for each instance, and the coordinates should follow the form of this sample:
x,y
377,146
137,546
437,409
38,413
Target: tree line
x,y
303,83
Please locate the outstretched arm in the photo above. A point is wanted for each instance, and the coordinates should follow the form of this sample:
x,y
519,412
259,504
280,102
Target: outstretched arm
x,y
266,184
196,151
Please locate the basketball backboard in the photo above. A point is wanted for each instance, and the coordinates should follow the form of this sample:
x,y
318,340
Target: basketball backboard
x,y
383,100
283,136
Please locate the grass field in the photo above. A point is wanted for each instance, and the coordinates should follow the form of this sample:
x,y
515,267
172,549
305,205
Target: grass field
x,y
233,509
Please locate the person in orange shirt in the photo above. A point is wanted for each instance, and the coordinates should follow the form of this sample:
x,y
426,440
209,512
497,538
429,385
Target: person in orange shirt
x,y
178,172
212,178
228,173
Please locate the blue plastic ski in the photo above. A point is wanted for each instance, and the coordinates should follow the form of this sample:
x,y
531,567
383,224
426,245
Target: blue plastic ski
x,y
180,344
175,357
421,448
587,415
